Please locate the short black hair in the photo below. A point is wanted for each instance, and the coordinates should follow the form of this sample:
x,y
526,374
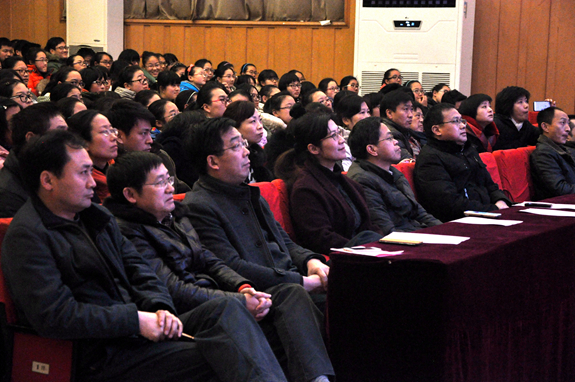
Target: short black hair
x,y
171,58
469,106
372,100
125,114
435,117
392,100
438,87
286,80
167,78
57,77
185,99
546,116
146,55
454,96
348,106
81,123
323,84
86,52
245,79
126,75
47,152
206,139
98,57
267,74
53,42
266,90
365,132
205,93
6,42
275,102
67,105
506,98
9,62
130,170
129,56
35,119
61,91
242,92
158,108
145,96
202,62
239,111
92,74
7,86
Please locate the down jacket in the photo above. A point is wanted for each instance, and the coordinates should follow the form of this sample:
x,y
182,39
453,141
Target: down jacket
x,y
552,169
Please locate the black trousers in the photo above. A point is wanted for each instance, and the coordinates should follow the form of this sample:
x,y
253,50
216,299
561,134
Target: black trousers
x,y
294,328
229,346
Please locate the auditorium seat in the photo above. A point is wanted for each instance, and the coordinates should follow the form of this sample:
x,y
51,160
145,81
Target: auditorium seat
x,y
407,171
533,118
491,164
179,197
515,173
275,193
22,350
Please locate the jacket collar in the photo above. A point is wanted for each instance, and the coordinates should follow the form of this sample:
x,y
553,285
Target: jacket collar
x,y
559,149
214,185
388,122
385,175
94,216
446,146
131,213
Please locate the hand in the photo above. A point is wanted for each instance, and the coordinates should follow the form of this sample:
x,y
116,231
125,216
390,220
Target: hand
x,y
312,284
316,267
551,102
257,303
501,205
160,325
408,160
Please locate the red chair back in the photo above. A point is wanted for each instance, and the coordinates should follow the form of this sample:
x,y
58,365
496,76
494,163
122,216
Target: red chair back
x,y
515,172
179,197
275,194
491,164
407,171
533,117
4,295
284,207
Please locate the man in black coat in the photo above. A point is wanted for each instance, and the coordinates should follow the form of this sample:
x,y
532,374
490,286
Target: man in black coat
x,y
142,201
72,275
450,177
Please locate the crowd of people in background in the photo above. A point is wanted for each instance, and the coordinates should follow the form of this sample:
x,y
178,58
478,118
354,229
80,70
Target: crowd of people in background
x,y
208,130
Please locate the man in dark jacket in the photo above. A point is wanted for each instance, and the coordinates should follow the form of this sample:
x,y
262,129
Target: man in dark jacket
x,y
450,177
72,275
397,109
142,201
34,120
392,205
235,222
552,166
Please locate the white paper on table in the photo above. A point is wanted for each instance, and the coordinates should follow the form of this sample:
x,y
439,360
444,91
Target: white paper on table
x,y
367,251
549,212
486,221
427,238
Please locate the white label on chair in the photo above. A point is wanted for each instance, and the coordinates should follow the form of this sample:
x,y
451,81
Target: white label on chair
x,y
42,368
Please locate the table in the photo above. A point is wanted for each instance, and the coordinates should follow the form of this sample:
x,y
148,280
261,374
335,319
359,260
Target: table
x,y
497,307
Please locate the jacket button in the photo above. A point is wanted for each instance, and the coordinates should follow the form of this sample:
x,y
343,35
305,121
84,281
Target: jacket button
x,y
259,244
280,271
244,211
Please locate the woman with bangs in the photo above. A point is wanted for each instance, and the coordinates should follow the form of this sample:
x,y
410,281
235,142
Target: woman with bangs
x,y
95,80
151,66
131,81
226,76
168,85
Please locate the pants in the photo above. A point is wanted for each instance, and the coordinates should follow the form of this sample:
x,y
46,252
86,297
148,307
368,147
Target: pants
x,y
294,328
229,346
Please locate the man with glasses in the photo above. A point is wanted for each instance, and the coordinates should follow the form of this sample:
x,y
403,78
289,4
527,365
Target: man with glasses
x,y
160,229
390,199
552,166
234,221
450,177
57,53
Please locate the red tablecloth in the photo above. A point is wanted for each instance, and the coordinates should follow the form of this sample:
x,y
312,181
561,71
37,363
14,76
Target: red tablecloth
x,y
497,307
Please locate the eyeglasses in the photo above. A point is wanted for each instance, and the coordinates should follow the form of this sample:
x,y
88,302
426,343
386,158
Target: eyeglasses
x,y
223,99
108,132
396,77
62,47
294,86
208,70
143,81
162,183
41,60
83,63
390,139
288,107
334,136
333,89
232,76
100,82
418,91
23,71
105,62
238,146
156,65
163,64
324,101
23,97
355,86
77,83
455,121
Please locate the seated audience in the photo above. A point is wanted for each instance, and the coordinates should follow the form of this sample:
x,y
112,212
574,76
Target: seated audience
x,y
212,100
17,91
64,75
250,70
350,110
268,77
65,90
436,95
6,50
76,62
290,82
328,210
276,115
247,122
196,78
481,130
17,64
142,201
450,177
454,97
397,110
329,86
101,144
95,79
72,275
69,106
38,64
129,56
391,76
235,222
151,66
164,111
226,76
552,166
131,81
57,53
207,66
245,79
418,93
34,120
391,202
134,123
147,97
372,100
416,127
349,83
512,119
102,59
168,85
5,135
570,144
186,100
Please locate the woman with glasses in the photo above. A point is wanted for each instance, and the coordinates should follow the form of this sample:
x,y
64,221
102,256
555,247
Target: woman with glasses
x,y
102,145
76,62
212,100
168,85
249,124
328,209
206,64
95,80
197,78
437,94
418,92
250,70
329,86
152,66
64,74
276,113
65,90
350,83
102,59
391,76
226,76
164,111
478,114
17,64
17,91
38,65
350,110
290,82
131,81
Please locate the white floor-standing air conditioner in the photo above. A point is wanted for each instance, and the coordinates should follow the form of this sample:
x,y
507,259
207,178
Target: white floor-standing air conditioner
x,y
426,40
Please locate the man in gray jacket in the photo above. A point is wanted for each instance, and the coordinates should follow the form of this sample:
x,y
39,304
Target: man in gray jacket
x,y
391,202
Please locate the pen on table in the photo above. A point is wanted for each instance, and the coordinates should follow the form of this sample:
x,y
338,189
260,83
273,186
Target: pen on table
x,y
534,204
188,336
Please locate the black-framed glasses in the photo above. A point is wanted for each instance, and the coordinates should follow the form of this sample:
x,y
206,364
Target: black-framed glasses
x,y
100,82
143,81
63,47
77,83
396,77
162,183
23,97
23,71
294,86
41,60
456,121
238,146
